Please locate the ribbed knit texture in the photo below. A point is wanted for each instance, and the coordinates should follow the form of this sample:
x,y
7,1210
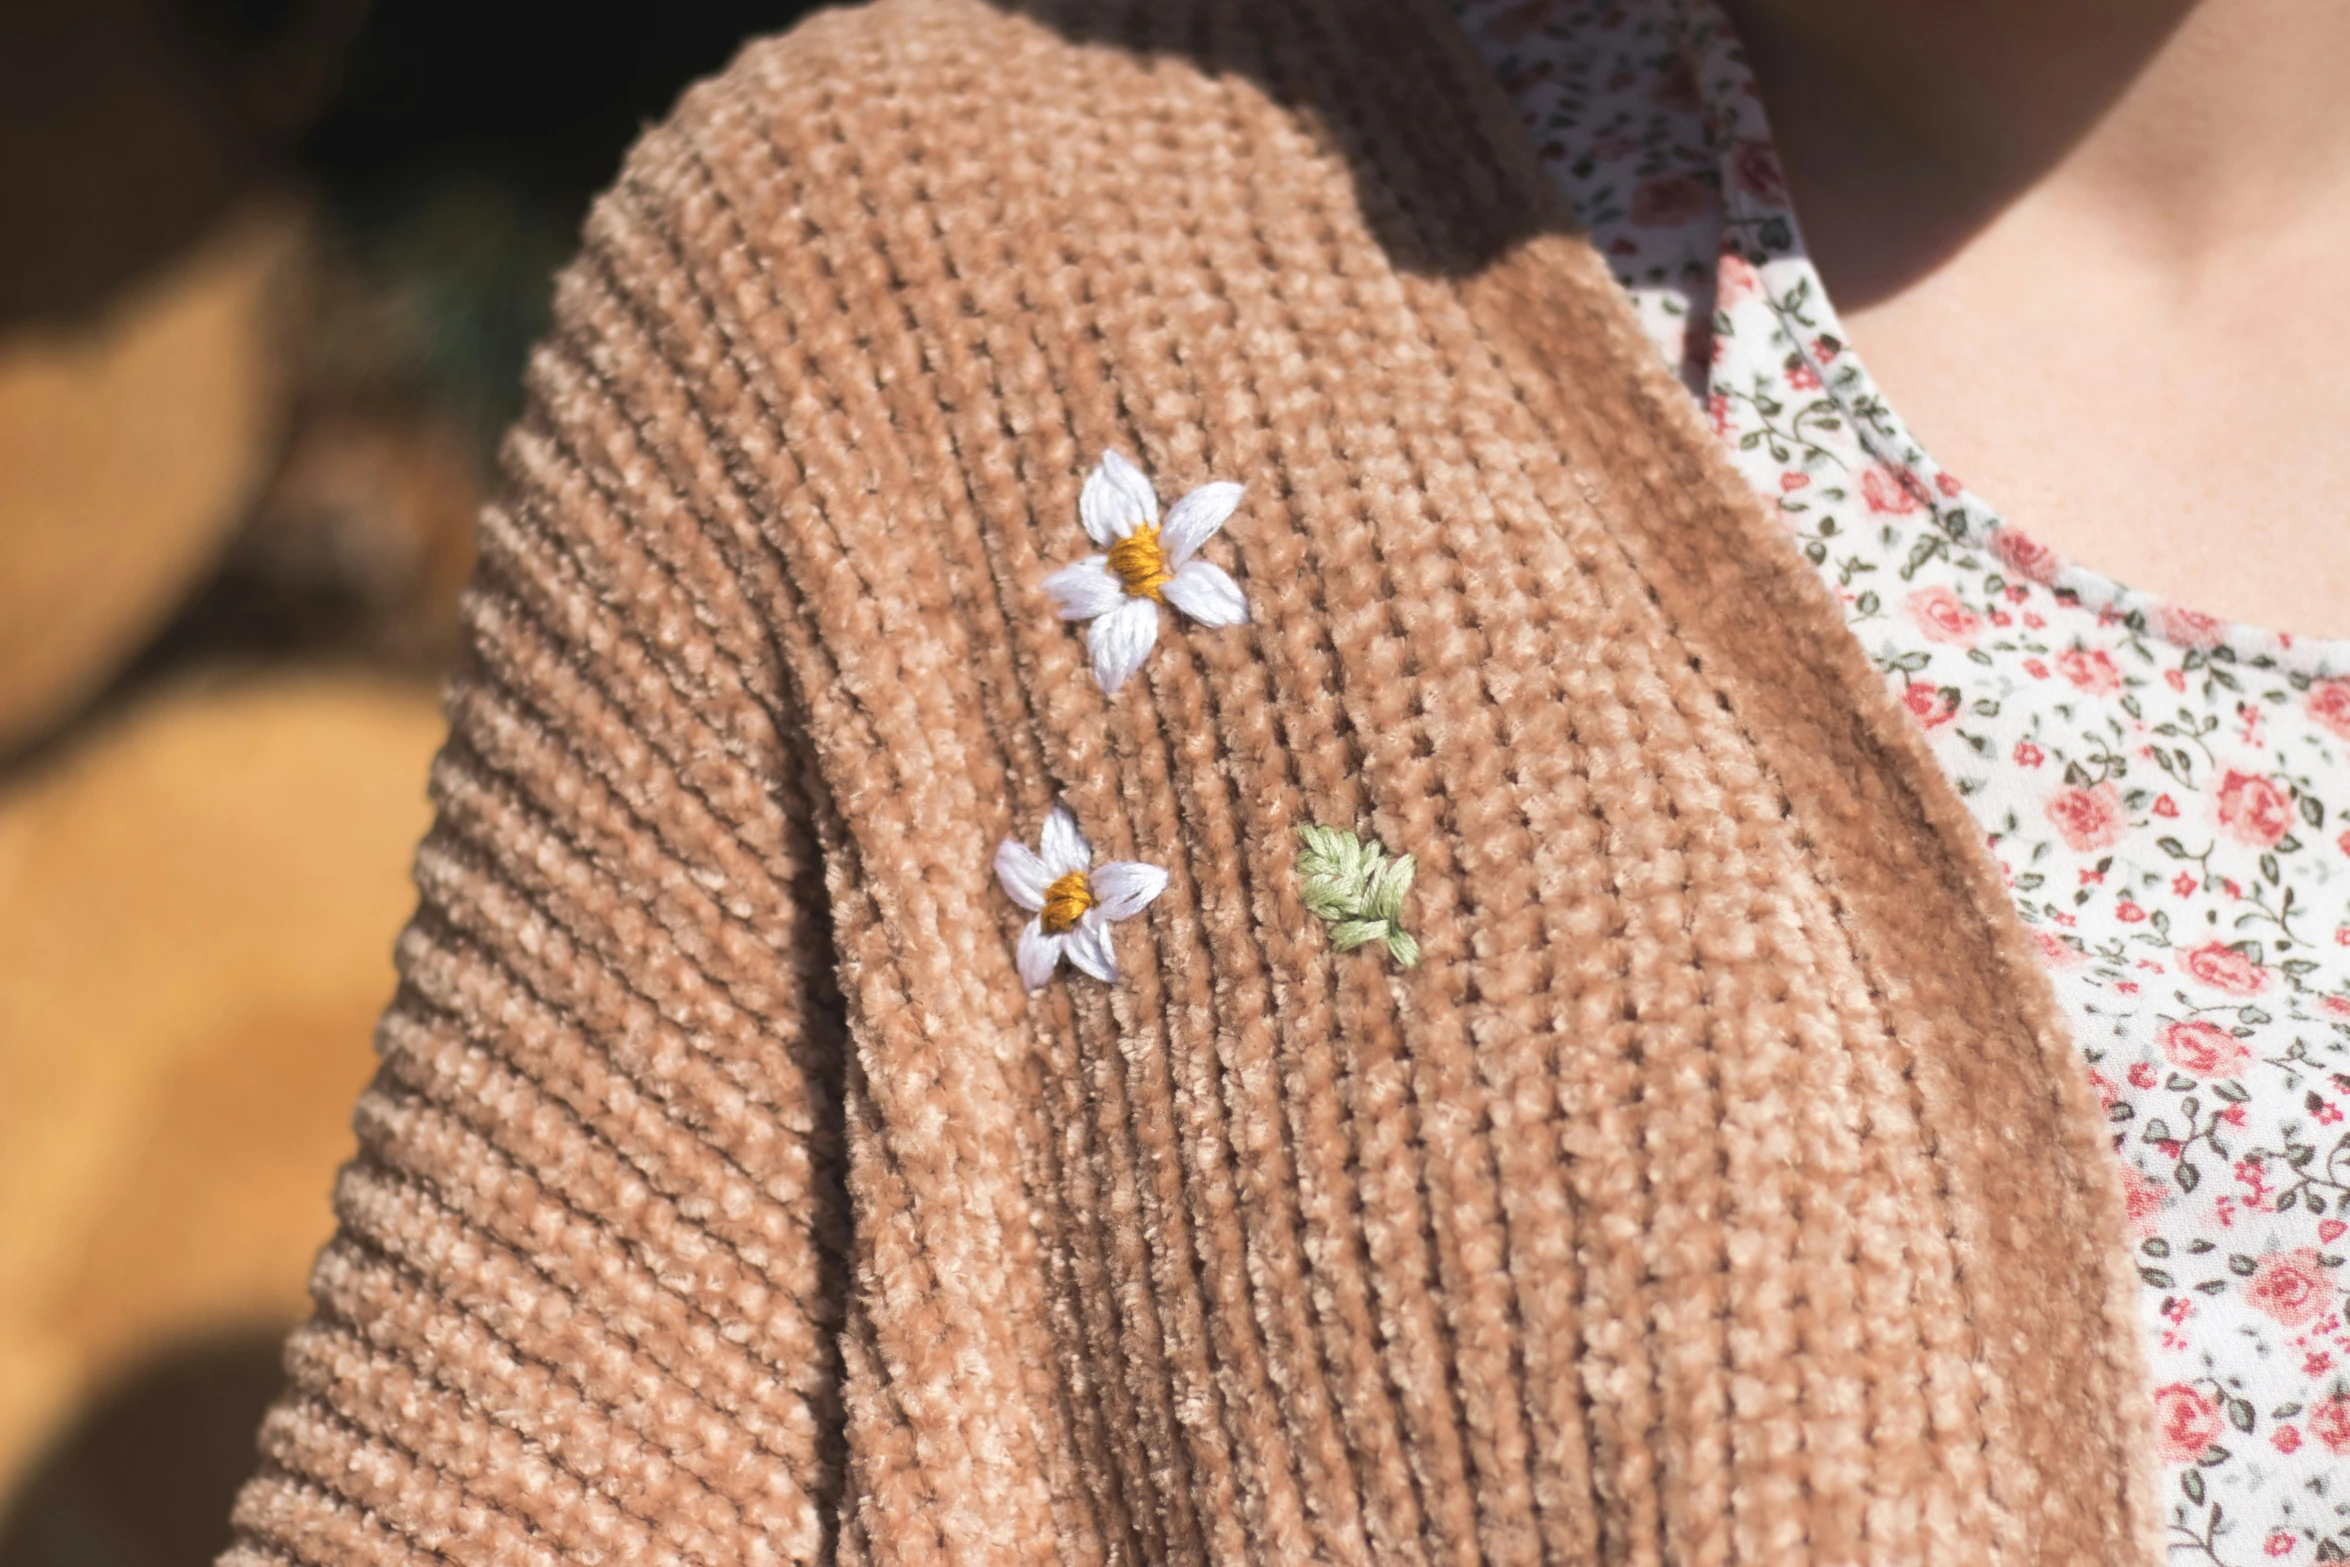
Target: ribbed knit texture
x,y
1718,1189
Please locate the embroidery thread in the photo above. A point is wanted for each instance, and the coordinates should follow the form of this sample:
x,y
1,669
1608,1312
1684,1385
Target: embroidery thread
x,y
1074,902
1350,885
1146,565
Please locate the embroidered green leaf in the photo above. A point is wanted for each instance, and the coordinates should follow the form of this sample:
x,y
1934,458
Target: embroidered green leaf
x,y
1351,885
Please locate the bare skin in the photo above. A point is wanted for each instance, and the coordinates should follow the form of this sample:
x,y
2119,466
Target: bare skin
x,y
2094,250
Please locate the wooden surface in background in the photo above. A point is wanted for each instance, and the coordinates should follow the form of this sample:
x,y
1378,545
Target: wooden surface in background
x,y
213,458
131,444
198,900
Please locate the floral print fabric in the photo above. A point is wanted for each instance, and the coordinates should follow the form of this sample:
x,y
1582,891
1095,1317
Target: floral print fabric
x,y
2168,795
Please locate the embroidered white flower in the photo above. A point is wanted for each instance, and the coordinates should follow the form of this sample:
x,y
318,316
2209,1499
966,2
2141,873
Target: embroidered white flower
x,y
1147,565
1074,903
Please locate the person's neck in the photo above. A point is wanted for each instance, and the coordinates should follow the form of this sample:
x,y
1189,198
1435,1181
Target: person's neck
x,y
2183,133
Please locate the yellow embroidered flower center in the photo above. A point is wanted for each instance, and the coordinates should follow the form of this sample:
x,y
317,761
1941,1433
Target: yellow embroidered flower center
x,y
1140,564
1064,901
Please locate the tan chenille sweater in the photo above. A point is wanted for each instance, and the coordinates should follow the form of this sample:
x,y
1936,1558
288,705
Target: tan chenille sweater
x,y
1718,1188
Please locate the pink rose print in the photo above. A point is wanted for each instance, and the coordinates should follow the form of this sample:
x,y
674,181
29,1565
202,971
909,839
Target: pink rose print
x,y
2057,952
2092,672
2185,1423
1932,706
1756,167
2290,1286
2142,1199
1668,201
1884,491
2329,704
2222,967
2187,627
2203,1049
2279,1543
2329,1422
1676,87
2253,810
2286,1439
2027,557
1942,617
1517,23
1735,279
2088,819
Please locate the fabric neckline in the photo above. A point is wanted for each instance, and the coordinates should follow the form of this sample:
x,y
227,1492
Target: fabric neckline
x,y
1932,923
1930,917
1759,217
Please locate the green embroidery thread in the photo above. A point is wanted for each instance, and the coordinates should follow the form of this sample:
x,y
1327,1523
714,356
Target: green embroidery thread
x,y
1351,885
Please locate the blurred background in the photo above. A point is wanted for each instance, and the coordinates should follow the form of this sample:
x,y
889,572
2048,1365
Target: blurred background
x,y
268,274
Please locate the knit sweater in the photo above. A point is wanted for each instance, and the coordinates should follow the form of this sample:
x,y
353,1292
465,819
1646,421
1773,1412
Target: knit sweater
x,y
1718,1186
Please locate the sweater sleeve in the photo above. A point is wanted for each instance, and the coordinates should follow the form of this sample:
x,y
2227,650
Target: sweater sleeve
x,y
584,1297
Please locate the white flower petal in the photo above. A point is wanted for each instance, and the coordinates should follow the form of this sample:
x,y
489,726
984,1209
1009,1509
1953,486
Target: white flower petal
x,y
1116,500
1022,873
1064,847
1124,888
1121,640
1040,954
1086,589
1193,520
1207,593
1088,947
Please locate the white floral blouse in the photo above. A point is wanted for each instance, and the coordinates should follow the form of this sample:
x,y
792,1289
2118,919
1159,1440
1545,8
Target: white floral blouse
x,y
2169,795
